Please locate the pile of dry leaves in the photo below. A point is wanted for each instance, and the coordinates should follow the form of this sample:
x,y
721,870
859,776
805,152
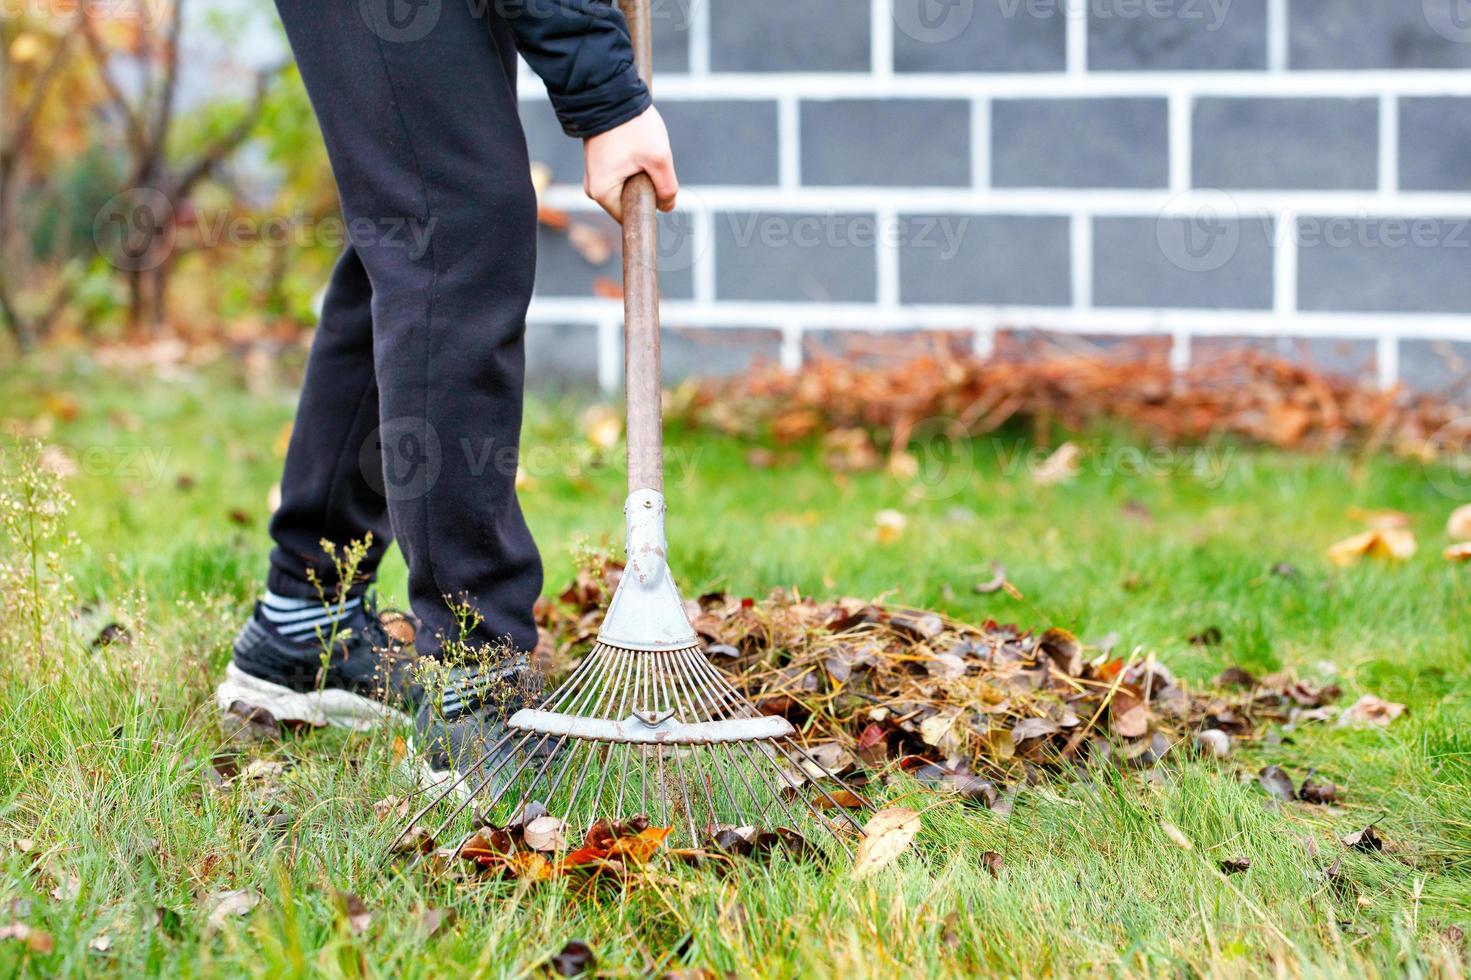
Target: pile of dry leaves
x,y
880,396
972,708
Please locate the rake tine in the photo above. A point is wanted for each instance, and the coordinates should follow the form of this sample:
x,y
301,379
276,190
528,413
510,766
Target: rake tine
x,y
748,708
679,680
449,789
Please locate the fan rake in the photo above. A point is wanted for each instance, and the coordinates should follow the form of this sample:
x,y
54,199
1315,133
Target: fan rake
x,y
645,725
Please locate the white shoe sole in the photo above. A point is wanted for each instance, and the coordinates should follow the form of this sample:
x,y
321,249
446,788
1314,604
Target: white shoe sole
x,y
330,706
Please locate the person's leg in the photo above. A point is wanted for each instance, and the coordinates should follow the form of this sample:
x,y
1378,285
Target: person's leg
x,y
326,491
420,122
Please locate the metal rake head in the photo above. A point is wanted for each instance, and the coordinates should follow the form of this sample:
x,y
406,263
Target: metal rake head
x,y
646,725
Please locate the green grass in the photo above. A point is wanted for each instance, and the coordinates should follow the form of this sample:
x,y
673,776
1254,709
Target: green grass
x,y
103,754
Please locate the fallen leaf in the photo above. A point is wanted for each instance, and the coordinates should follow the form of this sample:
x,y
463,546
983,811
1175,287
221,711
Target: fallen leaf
x,y
574,959
1235,866
1176,836
100,944
1319,791
993,863
1366,840
391,806
1458,526
432,920
1458,552
355,913
1215,742
590,242
1381,543
1370,712
227,905
1208,637
890,525
36,940
1060,467
1029,728
995,583
1380,520
1277,783
888,834
545,834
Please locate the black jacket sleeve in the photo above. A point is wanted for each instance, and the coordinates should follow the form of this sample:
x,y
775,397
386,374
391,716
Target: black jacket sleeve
x,y
582,51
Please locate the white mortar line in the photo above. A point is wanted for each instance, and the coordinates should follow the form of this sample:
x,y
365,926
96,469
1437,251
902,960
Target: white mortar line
x,y
796,317
789,143
699,13
1053,201
1284,263
791,347
1182,110
1080,233
1386,358
984,342
1180,349
1077,37
980,143
1278,36
610,353
1023,85
702,225
1388,144
881,37
886,250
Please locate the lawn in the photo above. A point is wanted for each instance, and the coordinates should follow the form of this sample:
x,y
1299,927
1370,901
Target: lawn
x,y
116,844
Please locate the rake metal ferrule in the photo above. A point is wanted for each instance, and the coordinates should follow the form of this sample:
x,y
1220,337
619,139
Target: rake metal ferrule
x,y
646,612
637,730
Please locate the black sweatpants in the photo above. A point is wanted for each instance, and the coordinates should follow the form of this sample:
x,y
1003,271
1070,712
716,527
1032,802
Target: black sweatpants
x,y
410,419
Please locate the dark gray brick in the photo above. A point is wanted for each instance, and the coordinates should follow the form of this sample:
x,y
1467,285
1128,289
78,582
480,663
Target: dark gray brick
x,y
695,352
1127,36
1327,34
561,355
990,35
809,257
723,142
789,35
546,143
670,20
1384,265
1009,260
1108,142
1436,365
1286,144
562,270
886,142
1345,356
1435,144
1182,263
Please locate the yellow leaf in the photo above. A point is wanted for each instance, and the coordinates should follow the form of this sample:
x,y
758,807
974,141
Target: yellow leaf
x,y
1380,542
1459,552
888,834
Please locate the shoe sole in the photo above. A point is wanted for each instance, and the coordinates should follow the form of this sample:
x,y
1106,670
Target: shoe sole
x,y
329,706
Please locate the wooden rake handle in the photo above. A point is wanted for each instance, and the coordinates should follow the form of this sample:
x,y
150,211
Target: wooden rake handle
x,y
641,295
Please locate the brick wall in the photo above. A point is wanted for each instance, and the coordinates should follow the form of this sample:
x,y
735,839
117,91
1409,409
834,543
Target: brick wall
x,y
1290,173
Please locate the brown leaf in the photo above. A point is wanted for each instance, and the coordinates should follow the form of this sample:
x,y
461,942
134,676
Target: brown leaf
x,y
1366,840
391,806
1235,865
1370,712
355,913
1458,526
888,833
993,863
1134,722
227,905
431,920
574,959
1277,783
1392,543
36,940
995,583
1029,728
1318,791
545,833
844,798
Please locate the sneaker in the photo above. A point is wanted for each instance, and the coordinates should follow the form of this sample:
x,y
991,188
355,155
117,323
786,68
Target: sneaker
x,y
373,675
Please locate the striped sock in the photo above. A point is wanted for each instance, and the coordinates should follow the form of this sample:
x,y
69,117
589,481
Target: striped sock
x,y
305,620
